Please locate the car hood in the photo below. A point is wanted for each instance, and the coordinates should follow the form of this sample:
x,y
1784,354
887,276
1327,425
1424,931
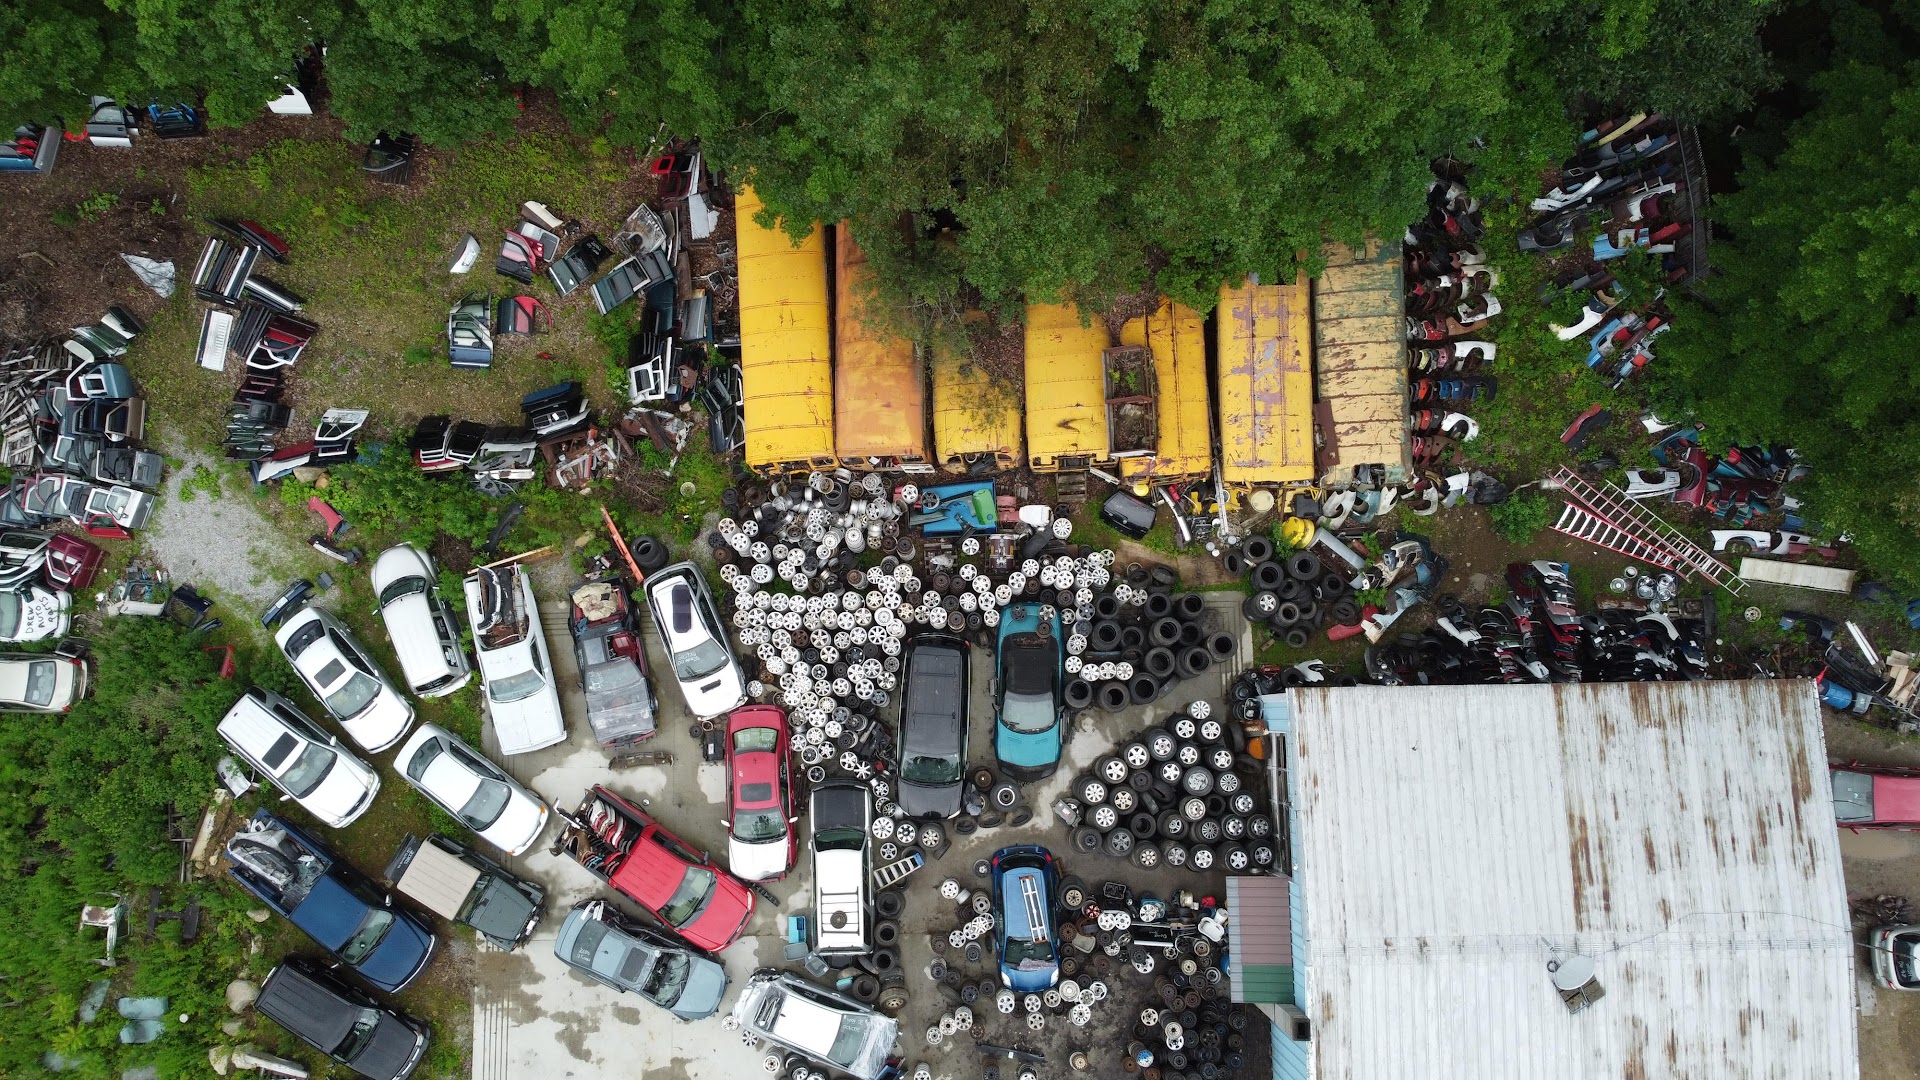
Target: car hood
x,y
1027,750
1030,980
401,955
714,694
757,862
528,724
392,1052
381,723
706,984
725,916
40,616
621,716
929,800
344,795
520,825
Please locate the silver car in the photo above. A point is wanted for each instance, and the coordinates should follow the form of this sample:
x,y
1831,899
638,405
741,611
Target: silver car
x,y
696,640
832,1029
609,948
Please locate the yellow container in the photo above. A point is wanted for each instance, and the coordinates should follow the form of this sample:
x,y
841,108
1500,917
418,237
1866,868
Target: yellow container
x,y
1265,384
1176,335
973,415
879,390
1360,354
1066,394
786,359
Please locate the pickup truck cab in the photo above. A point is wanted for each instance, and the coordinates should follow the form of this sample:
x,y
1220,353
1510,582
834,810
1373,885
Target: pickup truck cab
x,y
622,845
465,887
336,905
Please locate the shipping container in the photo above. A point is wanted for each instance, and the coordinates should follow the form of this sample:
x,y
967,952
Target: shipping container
x,y
976,419
1066,399
1264,385
786,365
879,388
1176,335
1360,360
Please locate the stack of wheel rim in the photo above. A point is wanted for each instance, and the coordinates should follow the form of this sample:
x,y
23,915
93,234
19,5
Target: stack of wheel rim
x,y
1140,639
1181,794
1293,594
1190,1036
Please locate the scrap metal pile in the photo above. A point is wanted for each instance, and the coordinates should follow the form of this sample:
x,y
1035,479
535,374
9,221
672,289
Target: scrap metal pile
x,y
1450,305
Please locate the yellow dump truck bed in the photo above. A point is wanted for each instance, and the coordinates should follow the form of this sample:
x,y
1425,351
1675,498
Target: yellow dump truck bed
x,y
786,359
1360,352
1066,394
1265,384
879,389
972,414
1176,335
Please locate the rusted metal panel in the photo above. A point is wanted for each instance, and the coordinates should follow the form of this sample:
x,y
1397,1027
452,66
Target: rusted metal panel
x,y
1679,835
1264,384
879,390
972,414
1066,398
1361,355
786,359
1177,336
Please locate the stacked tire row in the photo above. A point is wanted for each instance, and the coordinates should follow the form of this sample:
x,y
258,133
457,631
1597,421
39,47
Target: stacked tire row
x,y
1292,595
1181,794
1143,638
1194,1036
880,981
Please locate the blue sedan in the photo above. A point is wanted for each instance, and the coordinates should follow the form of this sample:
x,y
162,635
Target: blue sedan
x,y
1025,882
1029,709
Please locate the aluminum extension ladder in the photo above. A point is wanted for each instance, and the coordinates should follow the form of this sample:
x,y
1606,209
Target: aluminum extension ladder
x,y
1603,515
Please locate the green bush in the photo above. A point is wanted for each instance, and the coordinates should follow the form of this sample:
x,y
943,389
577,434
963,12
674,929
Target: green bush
x,y
1519,518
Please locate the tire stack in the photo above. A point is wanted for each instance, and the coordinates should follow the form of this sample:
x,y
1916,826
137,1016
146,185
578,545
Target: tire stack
x,y
1294,594
1191,1031
1182,794
1141,639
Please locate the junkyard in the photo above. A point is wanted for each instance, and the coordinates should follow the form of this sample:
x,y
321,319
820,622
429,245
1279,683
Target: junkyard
x,y
532,606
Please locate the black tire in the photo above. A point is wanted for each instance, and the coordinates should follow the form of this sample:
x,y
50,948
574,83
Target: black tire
x,y
1020,816
1220,759
1261,854
1005,796
1267,575
1161,745
1107,607
1192,662
1222,646
865,989
1104,637
1112,696
1135,755
1142,826
1143,689
882,960
1158,662
1259,826
1119,843
1297,637
1192,634
1303,566
889,903
1123,799
1309,613
1132,640
1146,856
1164,632
1111,769
1235,858
1172,825
1333,585
1242,804
1233,828
1162,576
965,826
1208,831
1139,781
1216,805
1344,612
1078,693
1197,781
1233,563
1173,854
886,932
1200,858
1159,606
1260,605
1257,549
649,554
1089,789
1190,606
982,778
1286,614
1085,840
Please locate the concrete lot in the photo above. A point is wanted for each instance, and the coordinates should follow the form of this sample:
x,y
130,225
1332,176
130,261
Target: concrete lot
x,y
533,1017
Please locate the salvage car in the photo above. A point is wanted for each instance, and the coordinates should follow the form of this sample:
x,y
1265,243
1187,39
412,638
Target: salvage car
x,y
761,840
696,640
611,949
339,673
1029,688
1026,881
468,889
833,1030
607,648
1875,797
622,845
461,781
1894,964
931,774
421,625
32,613
336,905
841,812
341,1021
299,757
44,682
515,672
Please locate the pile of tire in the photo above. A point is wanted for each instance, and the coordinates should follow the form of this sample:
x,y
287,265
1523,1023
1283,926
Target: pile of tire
x,y
1294,594
1142,639
1182,794
1192,1035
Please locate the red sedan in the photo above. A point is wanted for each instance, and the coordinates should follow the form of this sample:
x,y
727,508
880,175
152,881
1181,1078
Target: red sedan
x,y
675,882
761,840
1875,797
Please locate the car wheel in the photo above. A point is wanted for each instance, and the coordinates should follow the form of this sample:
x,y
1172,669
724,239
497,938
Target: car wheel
x,y
1104,817
1112,770
1141,826
1123,799
1146,856
1136,755
1170,771
1260,827
1173,854
1092,791
1172,825
1193,809
1207,830
1234,857
893,1000
1184,728
1221,758
1242,803
1119,842
933,837
1226,783
1197,781
1200,858
1261,854
1161,745
1303,566
866,989
1189,755
1267,576
1234,828
1257,607
889,903
1006,796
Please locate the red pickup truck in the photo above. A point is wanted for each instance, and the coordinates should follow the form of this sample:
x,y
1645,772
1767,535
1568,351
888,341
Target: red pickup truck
x,y
621,845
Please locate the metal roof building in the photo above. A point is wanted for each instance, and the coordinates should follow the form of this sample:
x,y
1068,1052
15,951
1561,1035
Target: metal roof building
x,y
1449,842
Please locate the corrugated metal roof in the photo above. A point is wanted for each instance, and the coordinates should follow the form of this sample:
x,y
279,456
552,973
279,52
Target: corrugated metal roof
x,y
972,413
1680,834
1264,383
1259,931
1360,352
786,358
1177,335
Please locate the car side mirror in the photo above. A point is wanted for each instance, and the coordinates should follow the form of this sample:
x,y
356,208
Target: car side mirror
x,y
386,900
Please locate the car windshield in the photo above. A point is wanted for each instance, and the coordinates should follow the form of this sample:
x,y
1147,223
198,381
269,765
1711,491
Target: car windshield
x,y
929,769
1903,965
755,740
850,1039
756,826
688,898
405,587
360,1036
1028,713
9,614
699,660
838,839
1027,955
372,930
616,674
314,765
1852,796
668,978
353,696
41,675
516,687
489,799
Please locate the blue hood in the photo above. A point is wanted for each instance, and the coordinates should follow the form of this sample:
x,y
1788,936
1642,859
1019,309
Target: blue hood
x,y
1033,751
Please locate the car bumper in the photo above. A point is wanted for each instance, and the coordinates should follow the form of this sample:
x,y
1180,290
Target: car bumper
x,y
1027,774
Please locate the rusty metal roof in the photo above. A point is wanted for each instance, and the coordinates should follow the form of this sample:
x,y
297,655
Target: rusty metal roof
x,y
1265,383
879,388
1177,336
1680,835
1066,398
786,359
1360,354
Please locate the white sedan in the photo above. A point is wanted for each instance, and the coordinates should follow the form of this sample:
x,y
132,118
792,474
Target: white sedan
x,y
465,784
703,664
336,669
515,670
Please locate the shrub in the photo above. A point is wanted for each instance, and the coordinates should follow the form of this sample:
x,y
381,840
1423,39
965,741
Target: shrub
x,y
1519,518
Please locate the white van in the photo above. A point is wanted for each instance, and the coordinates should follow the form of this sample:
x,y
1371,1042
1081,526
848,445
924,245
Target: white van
x,y
425,635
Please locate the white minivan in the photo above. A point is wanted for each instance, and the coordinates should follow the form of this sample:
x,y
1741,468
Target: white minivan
x,y
424,632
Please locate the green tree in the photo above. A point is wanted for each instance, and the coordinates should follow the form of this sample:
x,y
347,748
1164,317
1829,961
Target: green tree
x,y
1807,337
53,54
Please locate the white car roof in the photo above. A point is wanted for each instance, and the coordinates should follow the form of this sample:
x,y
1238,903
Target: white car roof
x,y
807,1024
13,676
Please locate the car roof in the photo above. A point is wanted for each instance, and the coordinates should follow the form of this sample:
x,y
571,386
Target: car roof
x,y
1013,909
449,778
307,1007
935,703
756,767
253,726
13,675
650,873
1896,798
806,1023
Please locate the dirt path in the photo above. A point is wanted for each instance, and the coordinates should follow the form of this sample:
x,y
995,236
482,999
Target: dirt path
x,y
218,537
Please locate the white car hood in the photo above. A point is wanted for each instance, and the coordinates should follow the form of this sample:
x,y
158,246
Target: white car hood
x,y
528,724
757,862
381,724
338,799
715,694
520,825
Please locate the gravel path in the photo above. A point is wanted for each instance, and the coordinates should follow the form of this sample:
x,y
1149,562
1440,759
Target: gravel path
x,y
224,543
